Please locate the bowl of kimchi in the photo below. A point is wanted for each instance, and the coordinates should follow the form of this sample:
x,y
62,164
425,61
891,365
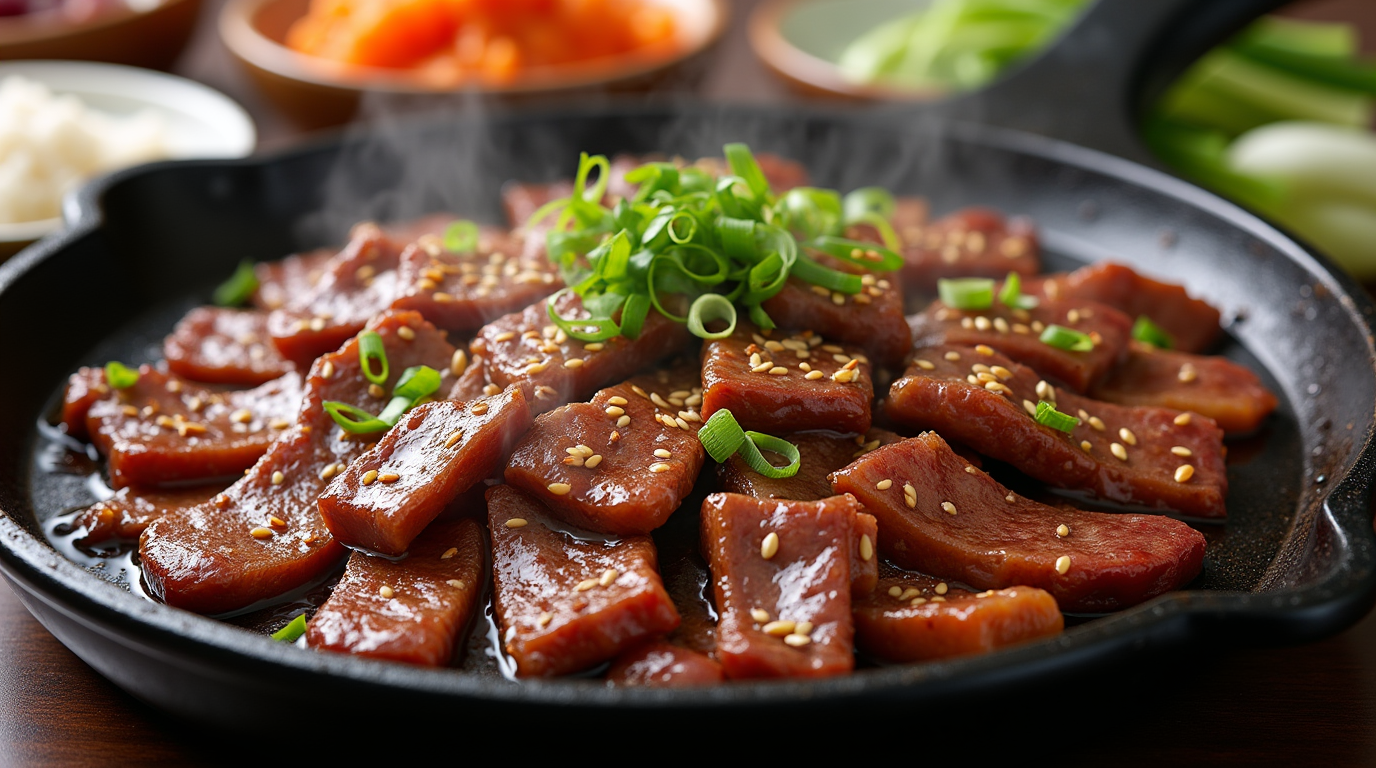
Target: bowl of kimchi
x,y
316,59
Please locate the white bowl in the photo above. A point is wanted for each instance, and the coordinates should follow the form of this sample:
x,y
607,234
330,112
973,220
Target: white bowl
x,y
201,122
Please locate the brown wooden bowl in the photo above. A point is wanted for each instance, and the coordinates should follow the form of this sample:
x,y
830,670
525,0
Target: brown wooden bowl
x,y
153,38
318,93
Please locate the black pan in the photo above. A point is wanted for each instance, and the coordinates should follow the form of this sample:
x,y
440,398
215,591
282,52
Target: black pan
x,y
1294,562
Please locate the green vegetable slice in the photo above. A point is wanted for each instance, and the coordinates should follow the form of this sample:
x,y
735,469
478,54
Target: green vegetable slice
x,y
1048,416
371,350
966,293
292,631
120,376
1069,339
1011,294
239,288
461,237
1145,330
722,437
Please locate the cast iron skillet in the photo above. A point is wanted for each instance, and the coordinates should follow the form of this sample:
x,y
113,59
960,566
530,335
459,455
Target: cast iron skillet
x,y
1294,563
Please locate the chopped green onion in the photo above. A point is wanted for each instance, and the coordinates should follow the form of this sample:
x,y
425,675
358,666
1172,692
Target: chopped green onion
x,y
583,329
862,254
1146,331
1048,416
828,278
968,293
416,382
461,237
293,631
1060,337
369,349
1011,294
633,314
239,288
354,419
743,164
120,376
708,307
722,438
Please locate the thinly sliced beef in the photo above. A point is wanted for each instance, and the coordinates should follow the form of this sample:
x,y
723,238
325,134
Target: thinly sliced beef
x,y
1150,457
1192,324
872,319
527,349
279,282
972,242
621,463
263,536
786,383
471,378
409,610
462,292
781,576
920,618
938,517
1017,334
660,664
164,430
567,603
822,452
224,346
122,517
1215,387
434,453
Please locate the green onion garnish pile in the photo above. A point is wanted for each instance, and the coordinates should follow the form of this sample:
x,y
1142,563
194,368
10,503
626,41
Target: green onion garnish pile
x,y
415,384
715,246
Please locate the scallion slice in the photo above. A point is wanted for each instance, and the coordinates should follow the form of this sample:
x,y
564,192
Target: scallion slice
x,y
416,382
708,307
353,419
239,288
370,349
1011,294
967,293
722,437
1145,330
293,631
1069,339
461,237
120,376
1048,416
743,164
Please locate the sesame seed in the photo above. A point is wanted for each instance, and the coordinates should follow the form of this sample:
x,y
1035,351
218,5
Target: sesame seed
x,y
984,349
1010,498
593,460
659,401
682,424
454,438
1030,408
779,628
949,507
1000,325
615,410
608,576
558,489
1180,450
388,477
970,470
838,298
762,367
1001,372
616,400
663,453
1182,420
895,591
814,375
260,533
952,356
242,416
1062,564
760,615
492,389
982,323
376,390
504,336
884,484
1127,436
1062,530
909,593
1046,391
1097,423
406,333
910,495
456,583
448,553
478,409
318,324
585,585
623,421
778,370
516,522
1183,473
866,547
573,362
796,640
278,478
843,376
1187,373
659,466
925,365
1119,451
369,477
942,589
535,368
1086,446
770,546
386,592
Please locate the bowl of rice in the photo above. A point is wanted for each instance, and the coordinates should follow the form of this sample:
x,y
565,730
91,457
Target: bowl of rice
x,y
65,122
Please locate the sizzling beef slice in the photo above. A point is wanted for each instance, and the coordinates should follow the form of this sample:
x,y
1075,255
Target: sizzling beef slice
x,y
919,618
1192,324
462,292
781,576
526,349
659,664
84,389
822,452
224,346
264,536
786,383
358,283
621,463
937,516
1016,333
1150,457
472,381
1215,387
872,319
973,242
564,603
407,610
295,276
434,453
163,430
123,517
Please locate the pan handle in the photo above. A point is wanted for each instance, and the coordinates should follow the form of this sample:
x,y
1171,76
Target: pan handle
x,y
1091,87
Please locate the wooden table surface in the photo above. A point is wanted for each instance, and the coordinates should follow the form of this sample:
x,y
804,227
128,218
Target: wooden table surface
x,y
1314,704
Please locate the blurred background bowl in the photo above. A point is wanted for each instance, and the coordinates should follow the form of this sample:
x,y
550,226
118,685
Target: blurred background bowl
x,y
201,122
139,34
317,92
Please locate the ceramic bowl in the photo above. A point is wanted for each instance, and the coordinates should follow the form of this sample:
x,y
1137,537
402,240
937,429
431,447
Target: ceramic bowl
x,y
144,33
